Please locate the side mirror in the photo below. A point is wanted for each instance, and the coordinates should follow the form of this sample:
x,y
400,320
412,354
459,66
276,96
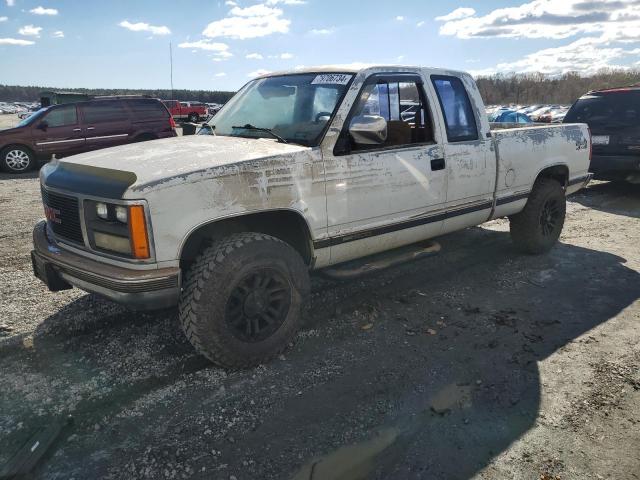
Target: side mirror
x,y
368,130
43,126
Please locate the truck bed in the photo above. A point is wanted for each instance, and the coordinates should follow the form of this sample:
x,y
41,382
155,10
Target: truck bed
x,y
523,150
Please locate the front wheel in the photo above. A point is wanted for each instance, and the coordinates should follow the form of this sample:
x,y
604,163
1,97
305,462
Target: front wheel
x,y
537,228
242,299
17,159
193,117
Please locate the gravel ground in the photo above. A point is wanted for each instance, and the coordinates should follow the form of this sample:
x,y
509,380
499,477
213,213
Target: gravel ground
x,y
477,363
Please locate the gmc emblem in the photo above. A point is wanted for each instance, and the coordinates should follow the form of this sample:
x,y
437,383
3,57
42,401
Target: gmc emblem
x,y
52,214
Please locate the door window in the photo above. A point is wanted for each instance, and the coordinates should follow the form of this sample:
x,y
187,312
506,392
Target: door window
x,y
403,106
456,108
62,116
104,111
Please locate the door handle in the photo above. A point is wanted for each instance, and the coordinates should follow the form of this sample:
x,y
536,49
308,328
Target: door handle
x,y
437,164
77,129
91,128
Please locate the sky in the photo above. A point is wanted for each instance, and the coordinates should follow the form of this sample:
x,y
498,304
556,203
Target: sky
x,y
220,45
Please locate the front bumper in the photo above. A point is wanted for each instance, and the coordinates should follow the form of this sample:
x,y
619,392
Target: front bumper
x,y
61,269
615,167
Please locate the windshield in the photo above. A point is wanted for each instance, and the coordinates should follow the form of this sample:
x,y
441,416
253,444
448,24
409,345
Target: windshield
x,y
606,109
31,118
294,107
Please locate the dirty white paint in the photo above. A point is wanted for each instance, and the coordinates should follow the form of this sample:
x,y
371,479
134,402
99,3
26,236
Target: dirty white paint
x,y
191,181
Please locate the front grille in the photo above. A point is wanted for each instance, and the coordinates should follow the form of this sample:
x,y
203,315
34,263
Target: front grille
x,y
63,216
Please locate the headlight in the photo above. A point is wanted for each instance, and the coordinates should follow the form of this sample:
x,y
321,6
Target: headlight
x,y
102,211
121,214
120,229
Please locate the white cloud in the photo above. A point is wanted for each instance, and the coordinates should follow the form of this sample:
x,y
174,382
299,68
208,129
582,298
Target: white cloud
x,y
254,56
400,18
11,3
420,24
230,3
205,45
604,25
586,55
286,2
258,73
4,19
58,34
286,56
457,14
613,19
30,31
221,74
220,50
223,55
44,11
145,27
251,22
321,31
15,41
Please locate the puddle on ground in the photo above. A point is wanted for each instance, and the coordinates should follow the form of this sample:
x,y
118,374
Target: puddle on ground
x,y
352,462
356,461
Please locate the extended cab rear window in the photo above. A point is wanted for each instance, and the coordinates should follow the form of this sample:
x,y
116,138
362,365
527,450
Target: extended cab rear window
x,y
147,109
456,108
606,108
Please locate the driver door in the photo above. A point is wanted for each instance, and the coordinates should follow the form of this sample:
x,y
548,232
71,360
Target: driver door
x,y
59,132
386,195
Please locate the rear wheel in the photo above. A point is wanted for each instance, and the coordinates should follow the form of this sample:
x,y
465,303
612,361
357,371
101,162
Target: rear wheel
x,y
193,117
537,228
242,299
17,159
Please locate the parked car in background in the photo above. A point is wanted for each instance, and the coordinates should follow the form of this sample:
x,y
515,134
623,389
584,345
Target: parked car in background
x,y
613,115
557,116
190,111
72,128
213,108
509,116
529,109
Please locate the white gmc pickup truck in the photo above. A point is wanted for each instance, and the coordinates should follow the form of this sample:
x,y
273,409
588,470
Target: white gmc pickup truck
x,y
300,171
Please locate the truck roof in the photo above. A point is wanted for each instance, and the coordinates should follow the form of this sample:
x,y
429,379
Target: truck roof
x,y
357,68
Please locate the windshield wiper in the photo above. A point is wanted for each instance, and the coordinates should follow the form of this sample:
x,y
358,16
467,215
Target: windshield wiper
x,y
248,126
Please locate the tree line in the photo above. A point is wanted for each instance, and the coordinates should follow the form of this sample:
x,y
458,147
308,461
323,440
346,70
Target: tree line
x,y
527,88
18,93
536,88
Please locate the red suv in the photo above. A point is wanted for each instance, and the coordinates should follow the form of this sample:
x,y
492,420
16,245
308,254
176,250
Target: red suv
x,y
71,128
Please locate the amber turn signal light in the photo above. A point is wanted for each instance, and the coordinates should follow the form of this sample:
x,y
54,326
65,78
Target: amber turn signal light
x,y
138,232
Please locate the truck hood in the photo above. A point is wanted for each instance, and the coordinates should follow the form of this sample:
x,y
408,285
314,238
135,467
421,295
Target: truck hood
x,y
145,164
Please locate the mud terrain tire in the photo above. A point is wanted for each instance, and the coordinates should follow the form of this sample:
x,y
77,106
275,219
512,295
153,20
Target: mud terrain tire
x,y
242,298
537,228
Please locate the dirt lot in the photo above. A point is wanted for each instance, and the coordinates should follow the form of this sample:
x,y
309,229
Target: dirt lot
x,y
477,363
8,120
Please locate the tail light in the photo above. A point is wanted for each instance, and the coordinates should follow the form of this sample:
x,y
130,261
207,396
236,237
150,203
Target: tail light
x,y
172,122
590,143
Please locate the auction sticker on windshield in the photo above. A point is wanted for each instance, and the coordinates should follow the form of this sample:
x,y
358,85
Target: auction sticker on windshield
x,y
600,139
331,79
